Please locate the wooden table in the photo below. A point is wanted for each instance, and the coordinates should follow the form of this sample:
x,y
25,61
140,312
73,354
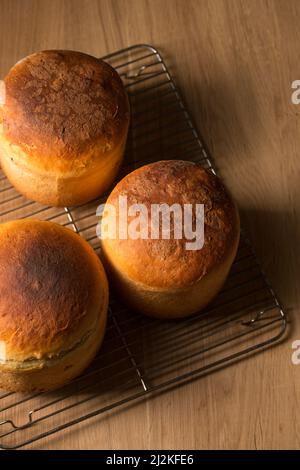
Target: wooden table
x,y
234,62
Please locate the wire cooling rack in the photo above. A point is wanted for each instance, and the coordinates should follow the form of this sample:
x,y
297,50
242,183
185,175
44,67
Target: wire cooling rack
x,y
141,356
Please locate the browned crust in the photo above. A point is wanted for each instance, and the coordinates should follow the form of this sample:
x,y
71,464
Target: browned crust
x,y
52,289
167,263
60,104
48,375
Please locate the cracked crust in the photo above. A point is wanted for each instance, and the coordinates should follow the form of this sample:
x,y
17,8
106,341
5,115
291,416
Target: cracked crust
x,y
53,291
166,264
60,105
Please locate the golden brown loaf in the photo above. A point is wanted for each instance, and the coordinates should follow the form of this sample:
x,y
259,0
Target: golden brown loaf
x,y
160,277
63,126
53,305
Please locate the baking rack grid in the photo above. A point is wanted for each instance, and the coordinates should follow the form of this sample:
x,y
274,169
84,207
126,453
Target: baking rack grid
x,y
141,356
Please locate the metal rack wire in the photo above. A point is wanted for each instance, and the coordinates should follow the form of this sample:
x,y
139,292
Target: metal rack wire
x,y
141,356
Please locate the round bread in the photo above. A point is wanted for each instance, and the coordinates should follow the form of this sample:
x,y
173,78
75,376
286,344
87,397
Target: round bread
x,y
161,277
53,305
64,118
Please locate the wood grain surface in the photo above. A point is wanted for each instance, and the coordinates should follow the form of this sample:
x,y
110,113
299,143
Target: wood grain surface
x,y
234,62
